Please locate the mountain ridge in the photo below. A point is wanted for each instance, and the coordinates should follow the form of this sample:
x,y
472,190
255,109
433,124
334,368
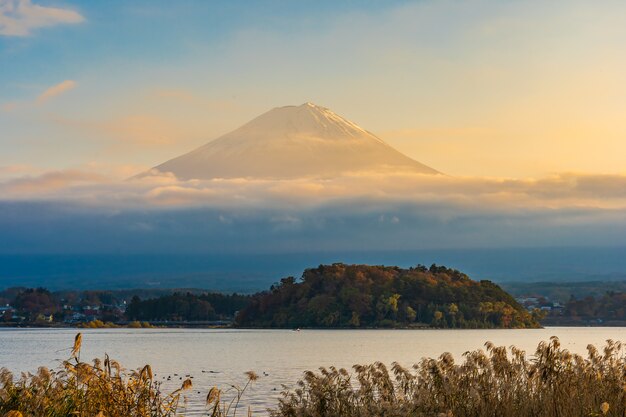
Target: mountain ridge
x,y
291,142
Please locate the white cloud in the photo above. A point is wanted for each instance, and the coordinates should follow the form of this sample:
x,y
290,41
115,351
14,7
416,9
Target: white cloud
x,y
356,211
47,94
21,17
49,182
56,90
88,186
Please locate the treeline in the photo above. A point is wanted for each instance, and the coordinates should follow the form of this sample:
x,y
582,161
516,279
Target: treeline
x,y
609,307
52,300
186,307
40,306
342,295
30,303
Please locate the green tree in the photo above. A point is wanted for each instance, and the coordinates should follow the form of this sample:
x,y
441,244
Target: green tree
x,y
355,320
393,304
410,314
437,318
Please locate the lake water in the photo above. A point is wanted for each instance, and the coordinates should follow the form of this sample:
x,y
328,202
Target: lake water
x,y
277,356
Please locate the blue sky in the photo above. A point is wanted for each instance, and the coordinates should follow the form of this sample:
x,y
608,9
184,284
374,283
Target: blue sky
x,y
499,89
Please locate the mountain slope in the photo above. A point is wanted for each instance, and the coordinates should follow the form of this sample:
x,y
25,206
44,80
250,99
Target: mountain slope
x,y
291,142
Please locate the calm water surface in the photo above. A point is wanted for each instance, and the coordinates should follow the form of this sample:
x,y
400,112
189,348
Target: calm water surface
x,y
278,356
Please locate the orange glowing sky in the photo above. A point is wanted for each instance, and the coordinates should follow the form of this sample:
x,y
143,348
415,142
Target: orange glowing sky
x,y
478,88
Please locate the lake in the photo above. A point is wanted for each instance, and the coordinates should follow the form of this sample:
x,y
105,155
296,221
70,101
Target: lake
x,y
220,357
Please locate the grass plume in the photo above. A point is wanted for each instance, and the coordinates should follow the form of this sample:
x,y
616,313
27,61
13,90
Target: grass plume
x,y
100,388
493,382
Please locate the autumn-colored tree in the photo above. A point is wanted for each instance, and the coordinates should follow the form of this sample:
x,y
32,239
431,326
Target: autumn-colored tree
x,y
35,302
342,295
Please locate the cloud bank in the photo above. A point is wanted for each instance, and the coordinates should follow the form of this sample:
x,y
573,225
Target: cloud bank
x,y
82,186
87,211
21,17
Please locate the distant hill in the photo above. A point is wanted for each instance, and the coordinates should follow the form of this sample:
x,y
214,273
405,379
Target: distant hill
x,y
340,295
248,273
563,292
291,142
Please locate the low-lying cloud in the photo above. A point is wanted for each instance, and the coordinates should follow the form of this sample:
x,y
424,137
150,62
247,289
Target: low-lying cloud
x,y
160,190
87,211
45,185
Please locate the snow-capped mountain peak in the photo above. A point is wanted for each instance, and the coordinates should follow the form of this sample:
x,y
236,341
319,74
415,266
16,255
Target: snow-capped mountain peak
x,y
290,142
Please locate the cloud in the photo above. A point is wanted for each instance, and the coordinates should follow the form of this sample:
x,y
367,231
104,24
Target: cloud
x,y
56,90
21,17
49,93
87,185
364,210
114,172
42,185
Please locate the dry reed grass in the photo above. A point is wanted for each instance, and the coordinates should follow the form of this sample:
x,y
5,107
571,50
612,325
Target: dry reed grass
x,y
496,382
101,389
499,382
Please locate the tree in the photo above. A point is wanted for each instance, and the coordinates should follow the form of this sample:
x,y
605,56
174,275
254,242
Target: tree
x,y
35,302
355,321
453,309
437,318
393,303
133,311
410,314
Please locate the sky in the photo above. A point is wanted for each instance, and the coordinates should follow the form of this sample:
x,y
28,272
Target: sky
x,y
520,103
498,89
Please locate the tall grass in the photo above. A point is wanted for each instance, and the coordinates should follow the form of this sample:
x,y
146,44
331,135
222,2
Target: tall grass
x,y
496,382
101,388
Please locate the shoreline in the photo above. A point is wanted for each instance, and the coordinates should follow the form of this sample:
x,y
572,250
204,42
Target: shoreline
x,y
59,326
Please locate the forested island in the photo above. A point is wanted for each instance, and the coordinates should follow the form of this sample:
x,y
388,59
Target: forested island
x,y
355,296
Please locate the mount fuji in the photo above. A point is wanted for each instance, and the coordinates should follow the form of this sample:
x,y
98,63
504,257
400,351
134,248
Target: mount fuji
x,y
292,142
